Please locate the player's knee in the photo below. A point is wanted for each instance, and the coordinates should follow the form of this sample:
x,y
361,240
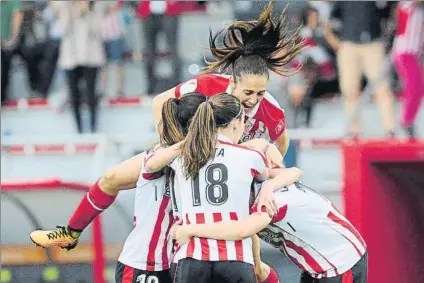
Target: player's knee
x,y
108,182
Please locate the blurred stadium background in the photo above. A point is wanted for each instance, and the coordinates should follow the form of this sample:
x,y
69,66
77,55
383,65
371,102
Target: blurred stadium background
x,y
46,165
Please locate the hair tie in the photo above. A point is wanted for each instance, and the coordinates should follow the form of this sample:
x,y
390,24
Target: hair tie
x,y
248,51
176,101
208,100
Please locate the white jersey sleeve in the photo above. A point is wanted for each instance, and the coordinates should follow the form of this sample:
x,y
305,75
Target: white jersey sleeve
x,y
259,162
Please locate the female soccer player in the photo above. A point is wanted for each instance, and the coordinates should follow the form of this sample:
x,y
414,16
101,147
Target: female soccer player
x,y
250,50
307,228
212,174
146,251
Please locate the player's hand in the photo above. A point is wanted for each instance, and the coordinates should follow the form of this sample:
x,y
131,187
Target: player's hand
x,y
174,228
182,234
266,198
273,156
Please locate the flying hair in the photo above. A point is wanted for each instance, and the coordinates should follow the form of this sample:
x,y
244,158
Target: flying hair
x,y
268,38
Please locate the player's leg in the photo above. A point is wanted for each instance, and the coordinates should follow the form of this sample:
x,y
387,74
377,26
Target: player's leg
x,y
100,196
233,271
190,270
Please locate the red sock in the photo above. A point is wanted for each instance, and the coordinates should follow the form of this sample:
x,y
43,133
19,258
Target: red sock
x,y
92,204
272,277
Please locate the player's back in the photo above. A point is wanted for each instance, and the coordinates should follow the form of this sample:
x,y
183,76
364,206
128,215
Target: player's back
x,y
219,192
313,233
148,246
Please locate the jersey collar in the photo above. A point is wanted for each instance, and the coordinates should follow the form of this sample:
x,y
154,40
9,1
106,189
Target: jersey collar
x,y
223,138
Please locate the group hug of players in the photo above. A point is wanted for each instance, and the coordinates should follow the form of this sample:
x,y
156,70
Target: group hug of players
x,y
215,184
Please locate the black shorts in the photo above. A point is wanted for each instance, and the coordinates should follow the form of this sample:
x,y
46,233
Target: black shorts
x,y
357,274
127,274
190,270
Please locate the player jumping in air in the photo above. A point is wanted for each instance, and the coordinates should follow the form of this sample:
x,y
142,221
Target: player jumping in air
x,y
250,50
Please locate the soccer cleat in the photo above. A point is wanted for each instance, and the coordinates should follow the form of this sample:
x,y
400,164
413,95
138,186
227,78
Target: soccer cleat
x,y
62,237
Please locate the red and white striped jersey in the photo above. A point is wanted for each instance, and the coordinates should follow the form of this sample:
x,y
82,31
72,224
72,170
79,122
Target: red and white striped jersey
x,y
313,233
148,246
266,120
221,191
410,28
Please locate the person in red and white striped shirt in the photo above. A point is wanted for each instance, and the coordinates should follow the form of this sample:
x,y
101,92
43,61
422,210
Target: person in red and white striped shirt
x,y
213,175
147,250
408,46
307,228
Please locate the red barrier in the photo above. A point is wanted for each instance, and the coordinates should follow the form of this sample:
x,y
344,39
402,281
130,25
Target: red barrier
x,y
384,199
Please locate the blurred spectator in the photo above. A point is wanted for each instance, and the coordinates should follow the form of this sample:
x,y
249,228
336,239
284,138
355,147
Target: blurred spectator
x,y
81,53
17,38
11,21
317,76
407,48
361,48
50,48
113,30
160,16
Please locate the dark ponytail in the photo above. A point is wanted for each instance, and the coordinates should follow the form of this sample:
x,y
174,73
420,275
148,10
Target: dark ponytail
x,y
200,144
176,117
170,128
254,47
200,141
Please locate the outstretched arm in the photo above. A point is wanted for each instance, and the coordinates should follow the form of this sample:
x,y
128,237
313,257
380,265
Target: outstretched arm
x,y
100,196
162,157
158,102
279,177
283,143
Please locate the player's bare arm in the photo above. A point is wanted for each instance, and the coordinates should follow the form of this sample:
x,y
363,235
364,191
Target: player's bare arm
x,y
158,102
122,176
234,230
278,178
273,155
282,143
225,230
162,157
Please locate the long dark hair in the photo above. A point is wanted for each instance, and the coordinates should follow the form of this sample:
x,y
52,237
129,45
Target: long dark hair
x,y
176,117
199,147
255,47
173,127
